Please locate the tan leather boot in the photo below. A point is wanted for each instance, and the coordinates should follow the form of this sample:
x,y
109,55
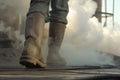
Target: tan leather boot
x,y
31,55
56,34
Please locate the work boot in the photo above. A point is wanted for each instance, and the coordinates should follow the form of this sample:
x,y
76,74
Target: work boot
x,y
31,55
56,34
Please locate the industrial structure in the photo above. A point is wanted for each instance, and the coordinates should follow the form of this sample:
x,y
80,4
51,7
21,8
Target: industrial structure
x,y
102,13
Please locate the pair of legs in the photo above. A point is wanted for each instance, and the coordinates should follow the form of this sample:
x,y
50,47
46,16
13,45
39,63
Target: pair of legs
x,y
37,16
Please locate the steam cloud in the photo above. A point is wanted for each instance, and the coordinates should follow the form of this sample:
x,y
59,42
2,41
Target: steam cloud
x,y
86,41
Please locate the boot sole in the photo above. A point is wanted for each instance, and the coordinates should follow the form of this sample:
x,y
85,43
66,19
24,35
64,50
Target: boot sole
x,y
29,62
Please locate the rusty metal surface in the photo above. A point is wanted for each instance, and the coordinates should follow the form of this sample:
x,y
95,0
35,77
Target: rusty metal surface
x,y
54,73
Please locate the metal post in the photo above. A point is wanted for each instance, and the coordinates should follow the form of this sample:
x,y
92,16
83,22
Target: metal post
x,y
105,14
113,14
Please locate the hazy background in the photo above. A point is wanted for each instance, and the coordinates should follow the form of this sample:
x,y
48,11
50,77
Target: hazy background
x,y
86,42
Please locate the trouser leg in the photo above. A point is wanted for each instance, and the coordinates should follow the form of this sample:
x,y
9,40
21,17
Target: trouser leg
x,y
59,11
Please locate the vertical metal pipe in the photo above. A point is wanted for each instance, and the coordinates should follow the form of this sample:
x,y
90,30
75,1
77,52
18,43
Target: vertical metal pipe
x,y
113,13
105,14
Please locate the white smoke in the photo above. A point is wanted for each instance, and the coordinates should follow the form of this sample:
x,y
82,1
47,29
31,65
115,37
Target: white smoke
x,y
86,41
20,5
